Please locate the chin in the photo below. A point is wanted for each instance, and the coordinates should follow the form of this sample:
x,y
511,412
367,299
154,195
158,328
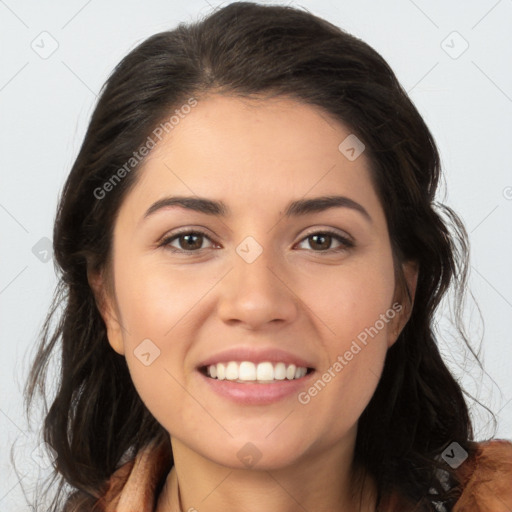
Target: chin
x,y
255,453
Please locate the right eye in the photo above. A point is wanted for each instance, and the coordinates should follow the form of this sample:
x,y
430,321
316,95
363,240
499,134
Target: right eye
x,y
189,241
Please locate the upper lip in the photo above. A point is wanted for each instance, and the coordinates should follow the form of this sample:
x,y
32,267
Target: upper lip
x,y
272,355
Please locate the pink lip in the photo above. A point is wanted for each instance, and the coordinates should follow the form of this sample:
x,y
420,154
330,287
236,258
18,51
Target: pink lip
x,y
271,355
257,394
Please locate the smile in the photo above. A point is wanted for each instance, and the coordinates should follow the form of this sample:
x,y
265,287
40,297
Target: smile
x,y
247,371
272,388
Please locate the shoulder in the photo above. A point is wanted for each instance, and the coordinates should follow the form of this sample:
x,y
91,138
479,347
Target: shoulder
x,y
134,485
486,478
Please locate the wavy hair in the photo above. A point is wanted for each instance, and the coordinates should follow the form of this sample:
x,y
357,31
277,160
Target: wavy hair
x,y
97,420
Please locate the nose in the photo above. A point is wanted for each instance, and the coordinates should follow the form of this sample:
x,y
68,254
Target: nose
x,y
256,293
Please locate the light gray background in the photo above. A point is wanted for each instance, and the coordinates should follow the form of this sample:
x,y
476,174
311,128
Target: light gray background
x,y
465,98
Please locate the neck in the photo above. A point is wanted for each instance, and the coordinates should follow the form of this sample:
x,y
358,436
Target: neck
x,y
325,482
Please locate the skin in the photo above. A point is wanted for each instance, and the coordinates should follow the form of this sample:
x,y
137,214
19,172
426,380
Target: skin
x,y
298,295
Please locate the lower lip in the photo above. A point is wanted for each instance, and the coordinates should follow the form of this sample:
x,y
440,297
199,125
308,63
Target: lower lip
x,y
257,394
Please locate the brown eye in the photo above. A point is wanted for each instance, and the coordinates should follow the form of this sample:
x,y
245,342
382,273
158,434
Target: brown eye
x,y
191,241
321,241
188,241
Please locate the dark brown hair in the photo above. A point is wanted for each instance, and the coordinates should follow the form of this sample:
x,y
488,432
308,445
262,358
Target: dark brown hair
x,y
97,419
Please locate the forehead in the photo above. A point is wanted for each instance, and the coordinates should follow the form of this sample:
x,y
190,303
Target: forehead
x,y
252,154
269,129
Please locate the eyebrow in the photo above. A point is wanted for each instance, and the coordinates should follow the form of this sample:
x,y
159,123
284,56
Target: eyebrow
x,y
293,209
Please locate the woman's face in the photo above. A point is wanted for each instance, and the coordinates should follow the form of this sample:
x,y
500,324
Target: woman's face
x,y
260,280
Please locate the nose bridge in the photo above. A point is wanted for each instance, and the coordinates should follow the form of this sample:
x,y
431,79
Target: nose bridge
x,y
253,263
253,266
254,293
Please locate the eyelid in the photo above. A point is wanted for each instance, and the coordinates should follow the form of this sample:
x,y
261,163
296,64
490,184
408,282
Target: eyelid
x,y
347,241
170,237
332,231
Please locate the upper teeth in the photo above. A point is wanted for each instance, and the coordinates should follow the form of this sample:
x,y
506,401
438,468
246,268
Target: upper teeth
x,y
247,370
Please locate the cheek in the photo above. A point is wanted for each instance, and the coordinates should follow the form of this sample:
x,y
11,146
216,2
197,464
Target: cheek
x,y
351,297
155,298
353,305
157,304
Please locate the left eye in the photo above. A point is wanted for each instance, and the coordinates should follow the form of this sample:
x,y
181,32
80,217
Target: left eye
x,y
190,241
324,238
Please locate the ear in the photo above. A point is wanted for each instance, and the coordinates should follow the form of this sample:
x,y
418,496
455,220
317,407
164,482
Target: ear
x,y
108,310
404,295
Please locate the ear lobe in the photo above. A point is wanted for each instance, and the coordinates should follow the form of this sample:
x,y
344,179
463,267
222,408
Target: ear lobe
x,y
106,307
406,295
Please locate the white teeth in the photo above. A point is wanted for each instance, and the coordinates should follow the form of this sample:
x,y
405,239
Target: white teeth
x,y
261,372
231,371
265,371
280,371
246,371
290,372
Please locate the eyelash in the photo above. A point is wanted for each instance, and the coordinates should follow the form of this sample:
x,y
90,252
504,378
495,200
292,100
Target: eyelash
x,y
346,243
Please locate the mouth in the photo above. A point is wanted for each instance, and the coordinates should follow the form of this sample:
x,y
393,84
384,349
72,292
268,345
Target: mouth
x,y
246,372
249,376
252,390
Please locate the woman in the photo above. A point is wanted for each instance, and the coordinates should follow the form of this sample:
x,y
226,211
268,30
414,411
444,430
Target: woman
x,y
251,260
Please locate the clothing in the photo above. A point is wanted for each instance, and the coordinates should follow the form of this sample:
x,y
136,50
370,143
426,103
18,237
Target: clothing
x,y
486,477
